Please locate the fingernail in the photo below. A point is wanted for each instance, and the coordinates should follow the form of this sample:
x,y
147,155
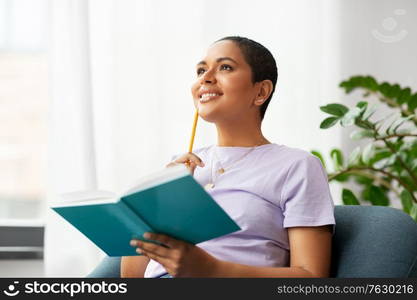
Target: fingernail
x,y
146,235
132,243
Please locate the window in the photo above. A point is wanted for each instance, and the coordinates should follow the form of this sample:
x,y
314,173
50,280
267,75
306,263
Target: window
x,y
23,108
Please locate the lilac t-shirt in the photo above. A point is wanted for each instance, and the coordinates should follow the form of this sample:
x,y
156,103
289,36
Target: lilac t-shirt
x,y
272,188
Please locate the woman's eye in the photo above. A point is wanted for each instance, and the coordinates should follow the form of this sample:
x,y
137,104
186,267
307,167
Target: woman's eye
x,y
227,67
199,71
222,67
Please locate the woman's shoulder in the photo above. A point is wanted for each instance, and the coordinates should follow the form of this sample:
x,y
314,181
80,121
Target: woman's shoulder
x,y
291,155
287,151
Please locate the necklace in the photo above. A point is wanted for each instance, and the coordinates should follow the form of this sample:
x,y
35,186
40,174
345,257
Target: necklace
x,y
222,169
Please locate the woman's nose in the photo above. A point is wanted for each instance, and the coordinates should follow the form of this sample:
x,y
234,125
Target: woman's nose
x,y
208,77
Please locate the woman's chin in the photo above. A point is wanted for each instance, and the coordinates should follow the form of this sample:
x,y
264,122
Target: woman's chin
x,y
207,115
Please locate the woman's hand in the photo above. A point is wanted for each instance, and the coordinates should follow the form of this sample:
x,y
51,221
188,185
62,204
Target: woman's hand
x,y
133,266
189,159
179,258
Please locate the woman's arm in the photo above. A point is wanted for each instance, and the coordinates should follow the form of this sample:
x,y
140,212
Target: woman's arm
x,y
310,249
310,256
133,266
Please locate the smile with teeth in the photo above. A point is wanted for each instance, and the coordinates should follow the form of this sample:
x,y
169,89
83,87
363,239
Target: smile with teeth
x,y
208,96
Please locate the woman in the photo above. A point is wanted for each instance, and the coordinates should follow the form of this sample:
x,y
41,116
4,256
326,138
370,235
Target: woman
x,y
278,195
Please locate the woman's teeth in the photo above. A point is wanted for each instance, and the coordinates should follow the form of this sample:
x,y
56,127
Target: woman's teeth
x,y
208,96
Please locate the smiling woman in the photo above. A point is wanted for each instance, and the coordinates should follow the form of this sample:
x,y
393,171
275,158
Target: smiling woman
x,y
278,195
242,70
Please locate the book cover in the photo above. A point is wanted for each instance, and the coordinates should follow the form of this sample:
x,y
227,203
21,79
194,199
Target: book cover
x,y
169,201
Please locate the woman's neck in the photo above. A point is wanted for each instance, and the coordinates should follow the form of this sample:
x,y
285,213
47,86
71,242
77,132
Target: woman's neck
x,y
240,136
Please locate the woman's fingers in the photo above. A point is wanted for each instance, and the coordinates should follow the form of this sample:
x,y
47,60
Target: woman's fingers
x,y
171,164
162,238
159,250
165,262
190,159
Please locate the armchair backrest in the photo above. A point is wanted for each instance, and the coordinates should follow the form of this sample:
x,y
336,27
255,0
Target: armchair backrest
x,y
373,241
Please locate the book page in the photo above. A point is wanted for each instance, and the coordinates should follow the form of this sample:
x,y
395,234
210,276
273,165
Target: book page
x,y
159,177
85,197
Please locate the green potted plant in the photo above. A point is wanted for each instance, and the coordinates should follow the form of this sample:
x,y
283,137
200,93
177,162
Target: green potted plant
x,y
386,166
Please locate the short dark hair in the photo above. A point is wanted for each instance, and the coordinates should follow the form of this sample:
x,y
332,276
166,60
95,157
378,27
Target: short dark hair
x,y
261,62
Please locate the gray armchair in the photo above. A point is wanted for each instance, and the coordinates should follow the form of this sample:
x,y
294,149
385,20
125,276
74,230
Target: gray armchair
x,y
369,241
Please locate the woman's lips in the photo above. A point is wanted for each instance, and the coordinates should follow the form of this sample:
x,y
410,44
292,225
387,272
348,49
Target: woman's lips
x,y
206,97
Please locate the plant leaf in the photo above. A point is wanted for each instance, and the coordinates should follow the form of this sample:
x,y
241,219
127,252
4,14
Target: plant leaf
x,y
349,198
413,164
337,158
404,96
377,196
359,134
392,159
404,131
362,105
342,177
329,122
402,122
380,154
413,211
371,83
363,179
335,109
384,88
363,123
366,193
394,91
406,201
354,156
412,103
367,153
396,124
364,82
349,118
349,84
370,111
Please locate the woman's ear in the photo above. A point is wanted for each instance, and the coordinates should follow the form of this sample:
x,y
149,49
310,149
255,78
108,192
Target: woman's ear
x,y
265,90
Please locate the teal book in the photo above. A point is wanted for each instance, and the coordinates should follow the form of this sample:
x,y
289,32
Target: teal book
x,y
169,201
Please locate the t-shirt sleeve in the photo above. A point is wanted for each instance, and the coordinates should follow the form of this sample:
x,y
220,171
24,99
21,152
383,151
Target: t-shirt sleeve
x,y
306,198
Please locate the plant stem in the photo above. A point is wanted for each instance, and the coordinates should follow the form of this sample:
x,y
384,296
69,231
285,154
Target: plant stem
x,y
392,149
353,169
389,101
394,135
403,164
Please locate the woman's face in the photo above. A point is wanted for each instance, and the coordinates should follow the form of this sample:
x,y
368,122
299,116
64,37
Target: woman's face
x,y
223,90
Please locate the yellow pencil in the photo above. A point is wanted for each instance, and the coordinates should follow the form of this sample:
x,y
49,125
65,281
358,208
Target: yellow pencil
x,y
190,148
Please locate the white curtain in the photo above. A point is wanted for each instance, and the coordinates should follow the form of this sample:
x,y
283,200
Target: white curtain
x,y
72,157
121,73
